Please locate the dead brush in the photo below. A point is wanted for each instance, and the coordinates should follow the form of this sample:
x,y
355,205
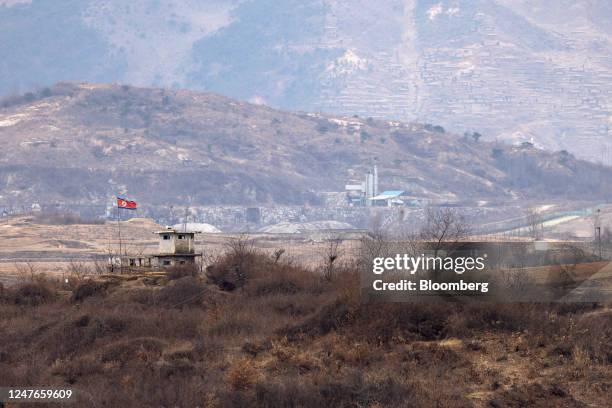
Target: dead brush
x,y
33,292
283,279
77,271
72,369
257,274
357,354
290,358
292,305
181,293
89,288
287,337
593,337
181,271
242,375
26,271
338,350
134,351
234,270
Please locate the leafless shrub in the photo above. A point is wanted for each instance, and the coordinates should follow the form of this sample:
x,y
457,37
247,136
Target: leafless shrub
x,y
378,243
77,270
332,253
241,249
181,271
26,271
100,265
372,245
535,223
240,262
240,246
34,293
123,352
277,254
443,227
242,375
86,289
289,339
184,292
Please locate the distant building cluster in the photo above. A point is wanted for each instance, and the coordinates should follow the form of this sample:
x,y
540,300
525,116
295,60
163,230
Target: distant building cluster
x,y
351,206
366,194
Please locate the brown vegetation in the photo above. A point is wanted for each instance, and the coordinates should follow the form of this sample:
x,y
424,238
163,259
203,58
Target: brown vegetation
x,y
260,332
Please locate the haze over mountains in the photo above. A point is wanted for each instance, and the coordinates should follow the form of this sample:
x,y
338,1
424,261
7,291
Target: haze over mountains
x,y
84,143
518,70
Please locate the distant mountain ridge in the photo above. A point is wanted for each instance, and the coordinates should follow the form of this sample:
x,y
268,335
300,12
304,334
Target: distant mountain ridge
x,y
84,143
519,70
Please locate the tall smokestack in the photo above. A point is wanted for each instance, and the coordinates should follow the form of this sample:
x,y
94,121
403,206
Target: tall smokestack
x,y
369,187
375,180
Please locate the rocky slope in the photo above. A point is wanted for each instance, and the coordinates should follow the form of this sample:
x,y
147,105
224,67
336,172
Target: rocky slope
x,y
84,143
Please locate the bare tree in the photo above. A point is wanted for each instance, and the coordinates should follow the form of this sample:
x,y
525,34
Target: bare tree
x,y
332,253
374,244
26,271
443,226
241,249
240,246
382,243
77,270
535,224
210,258
277,254
100,264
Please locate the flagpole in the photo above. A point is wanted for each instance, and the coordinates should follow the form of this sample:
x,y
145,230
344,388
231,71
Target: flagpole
x,y
119,231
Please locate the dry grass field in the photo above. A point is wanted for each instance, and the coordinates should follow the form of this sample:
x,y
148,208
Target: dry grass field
x,y
254,329
30,243
280,335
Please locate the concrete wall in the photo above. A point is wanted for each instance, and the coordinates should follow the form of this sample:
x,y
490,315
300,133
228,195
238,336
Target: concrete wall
x,y
166,261
177,243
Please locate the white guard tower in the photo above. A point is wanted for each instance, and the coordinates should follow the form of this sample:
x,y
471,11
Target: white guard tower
x,y
176,248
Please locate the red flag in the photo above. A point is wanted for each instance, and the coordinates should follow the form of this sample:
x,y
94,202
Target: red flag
x,y
126,204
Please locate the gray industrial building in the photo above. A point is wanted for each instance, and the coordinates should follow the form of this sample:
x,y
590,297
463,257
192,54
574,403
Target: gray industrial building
x,y
359,194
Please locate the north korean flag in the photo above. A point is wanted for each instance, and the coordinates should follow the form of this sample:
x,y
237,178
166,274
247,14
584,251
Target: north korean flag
x,y
126,204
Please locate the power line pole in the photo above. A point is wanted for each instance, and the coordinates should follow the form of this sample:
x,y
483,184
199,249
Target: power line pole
x,y
598,230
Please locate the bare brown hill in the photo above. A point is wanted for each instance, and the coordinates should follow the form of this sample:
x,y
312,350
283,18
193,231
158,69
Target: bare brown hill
x,y
84,143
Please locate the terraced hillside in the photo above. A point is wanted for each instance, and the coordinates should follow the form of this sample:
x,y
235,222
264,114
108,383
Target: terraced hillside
x,y
517,70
